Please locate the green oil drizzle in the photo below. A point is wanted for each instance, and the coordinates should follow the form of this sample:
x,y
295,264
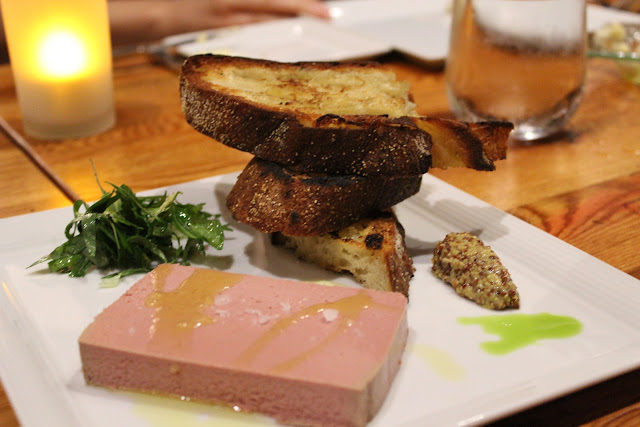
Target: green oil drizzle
x,y
441,362
520,330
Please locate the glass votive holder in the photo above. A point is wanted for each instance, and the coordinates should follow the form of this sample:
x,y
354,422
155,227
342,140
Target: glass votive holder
x,y
60,54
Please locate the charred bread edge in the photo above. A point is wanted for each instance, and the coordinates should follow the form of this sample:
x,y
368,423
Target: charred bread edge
x,y
272,198
494,137
480,143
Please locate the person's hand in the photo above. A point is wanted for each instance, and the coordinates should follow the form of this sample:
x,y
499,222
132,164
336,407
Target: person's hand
x,y
134,21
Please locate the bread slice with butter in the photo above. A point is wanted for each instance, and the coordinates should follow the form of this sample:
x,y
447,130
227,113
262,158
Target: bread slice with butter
x,y
333,118
272,198
373,250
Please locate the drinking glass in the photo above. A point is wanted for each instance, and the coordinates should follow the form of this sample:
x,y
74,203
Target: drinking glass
x,y
521,61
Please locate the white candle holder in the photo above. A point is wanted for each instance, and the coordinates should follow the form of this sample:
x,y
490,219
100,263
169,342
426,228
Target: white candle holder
x,y
60,53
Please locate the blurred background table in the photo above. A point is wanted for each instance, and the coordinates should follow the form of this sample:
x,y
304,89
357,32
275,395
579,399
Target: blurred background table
x,y
582,186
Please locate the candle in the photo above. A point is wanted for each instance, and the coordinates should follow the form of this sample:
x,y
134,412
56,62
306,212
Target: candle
x,y
60,53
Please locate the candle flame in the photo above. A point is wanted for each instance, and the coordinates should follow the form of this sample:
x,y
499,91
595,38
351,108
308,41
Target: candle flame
x,y
62,54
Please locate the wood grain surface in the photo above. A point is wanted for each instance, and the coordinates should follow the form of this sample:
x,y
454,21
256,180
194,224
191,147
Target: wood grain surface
x,y
582,186
32,192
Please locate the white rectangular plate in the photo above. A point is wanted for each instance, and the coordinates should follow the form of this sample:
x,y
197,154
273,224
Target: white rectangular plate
x,y
42,315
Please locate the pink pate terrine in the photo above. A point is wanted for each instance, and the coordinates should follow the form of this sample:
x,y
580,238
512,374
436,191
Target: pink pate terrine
x,y
303,353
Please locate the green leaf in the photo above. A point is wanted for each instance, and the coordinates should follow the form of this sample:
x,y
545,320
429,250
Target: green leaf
x,y
132,234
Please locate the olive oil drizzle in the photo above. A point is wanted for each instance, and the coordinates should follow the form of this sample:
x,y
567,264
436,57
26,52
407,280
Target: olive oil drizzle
x,y
440,362
348,308
179,312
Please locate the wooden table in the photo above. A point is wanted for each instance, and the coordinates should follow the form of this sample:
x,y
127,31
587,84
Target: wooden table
x,y
583,186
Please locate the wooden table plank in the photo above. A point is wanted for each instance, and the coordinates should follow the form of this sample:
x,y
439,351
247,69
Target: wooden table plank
x,y
23,188
603,220
7,416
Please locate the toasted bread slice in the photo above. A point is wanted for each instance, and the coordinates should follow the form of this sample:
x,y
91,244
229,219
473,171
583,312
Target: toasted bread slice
x,y
372,249
272,198
334,118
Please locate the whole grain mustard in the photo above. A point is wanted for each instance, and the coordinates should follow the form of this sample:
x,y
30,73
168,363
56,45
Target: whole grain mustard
x,y
474,271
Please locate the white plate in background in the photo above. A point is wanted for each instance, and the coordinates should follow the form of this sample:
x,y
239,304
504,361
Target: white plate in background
x,y
42,316
417,28
359,29
289,40
598,16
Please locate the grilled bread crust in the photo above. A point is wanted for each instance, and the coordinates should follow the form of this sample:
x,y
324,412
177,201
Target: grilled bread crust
x,y
373,250
305,133
272,198
462,144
